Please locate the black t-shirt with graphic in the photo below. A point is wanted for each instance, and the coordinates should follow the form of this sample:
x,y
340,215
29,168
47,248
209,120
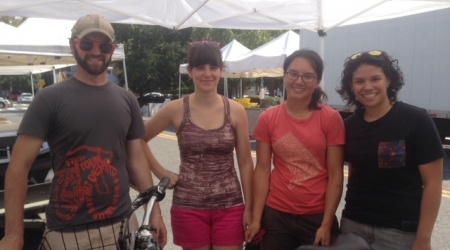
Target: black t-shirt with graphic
x,y
87,128
385,186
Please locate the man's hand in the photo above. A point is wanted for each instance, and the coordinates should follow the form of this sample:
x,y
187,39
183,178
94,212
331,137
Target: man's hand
x,y
11,243
161,231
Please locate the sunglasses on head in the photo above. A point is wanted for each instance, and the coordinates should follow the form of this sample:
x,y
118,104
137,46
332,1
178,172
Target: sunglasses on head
x,y
372,53
201,43
87,46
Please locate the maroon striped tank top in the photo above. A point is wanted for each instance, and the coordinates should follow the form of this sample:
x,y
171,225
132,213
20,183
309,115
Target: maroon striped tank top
x,y
207,179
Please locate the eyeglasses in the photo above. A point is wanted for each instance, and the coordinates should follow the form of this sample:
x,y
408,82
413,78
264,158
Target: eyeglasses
x,y
87,46
372,53
305,78
201,43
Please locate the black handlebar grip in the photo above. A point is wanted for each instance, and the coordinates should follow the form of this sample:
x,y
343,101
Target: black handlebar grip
x,y
163,184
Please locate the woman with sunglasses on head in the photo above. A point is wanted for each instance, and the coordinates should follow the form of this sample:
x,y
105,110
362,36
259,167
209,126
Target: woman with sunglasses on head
x,y
297,201
394,155
208,210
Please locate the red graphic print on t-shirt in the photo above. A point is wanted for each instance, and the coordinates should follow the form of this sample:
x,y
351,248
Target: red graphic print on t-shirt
x,y
88,177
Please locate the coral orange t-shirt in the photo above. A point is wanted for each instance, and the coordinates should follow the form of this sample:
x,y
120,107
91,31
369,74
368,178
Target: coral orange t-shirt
x,y
299,179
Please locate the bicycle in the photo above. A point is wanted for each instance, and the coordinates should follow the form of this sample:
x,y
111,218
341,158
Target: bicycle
x,y
345,241
141,239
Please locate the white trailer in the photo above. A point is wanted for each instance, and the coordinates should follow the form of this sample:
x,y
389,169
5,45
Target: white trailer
x,y
421,43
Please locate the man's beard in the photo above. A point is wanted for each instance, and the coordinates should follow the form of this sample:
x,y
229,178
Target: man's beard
x,y
91,69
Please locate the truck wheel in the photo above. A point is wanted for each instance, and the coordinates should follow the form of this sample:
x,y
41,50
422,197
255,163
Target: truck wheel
x,y
2,105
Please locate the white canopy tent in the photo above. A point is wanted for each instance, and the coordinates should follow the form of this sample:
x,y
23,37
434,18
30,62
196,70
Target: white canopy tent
x,y
230,51
30,70
312,15
315,15
41,42
266,60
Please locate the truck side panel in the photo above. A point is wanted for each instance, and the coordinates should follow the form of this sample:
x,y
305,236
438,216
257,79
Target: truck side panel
x,y
421,43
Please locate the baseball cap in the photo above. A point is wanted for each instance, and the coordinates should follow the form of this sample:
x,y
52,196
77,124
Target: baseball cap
x,y
93,23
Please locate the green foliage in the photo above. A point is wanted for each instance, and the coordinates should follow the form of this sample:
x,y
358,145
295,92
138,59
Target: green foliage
x,y
14,21
153,54
19,83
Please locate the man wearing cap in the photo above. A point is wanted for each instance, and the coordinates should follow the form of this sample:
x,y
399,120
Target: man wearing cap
x,y
93,128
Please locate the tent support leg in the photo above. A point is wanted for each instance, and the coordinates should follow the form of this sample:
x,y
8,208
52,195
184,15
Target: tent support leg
x,y
32,84
125,73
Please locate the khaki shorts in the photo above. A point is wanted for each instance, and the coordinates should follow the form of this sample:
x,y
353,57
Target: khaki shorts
x,y
102,235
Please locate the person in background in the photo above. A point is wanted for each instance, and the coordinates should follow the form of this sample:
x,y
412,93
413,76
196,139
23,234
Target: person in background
x,y
208,210
395,158
296,202
94,130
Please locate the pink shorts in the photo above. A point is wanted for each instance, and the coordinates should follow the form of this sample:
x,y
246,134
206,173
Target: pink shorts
x,y
196,228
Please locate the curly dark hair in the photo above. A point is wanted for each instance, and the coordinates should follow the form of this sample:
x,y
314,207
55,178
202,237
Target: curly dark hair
x,y
390,69
316,62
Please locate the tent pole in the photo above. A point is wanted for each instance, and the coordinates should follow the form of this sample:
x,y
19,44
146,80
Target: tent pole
x,y
225,85
32,84
300,33
125,73
54,75
179,85
240,87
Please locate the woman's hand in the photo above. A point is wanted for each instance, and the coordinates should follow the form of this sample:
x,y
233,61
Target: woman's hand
x,y
322,237
173,178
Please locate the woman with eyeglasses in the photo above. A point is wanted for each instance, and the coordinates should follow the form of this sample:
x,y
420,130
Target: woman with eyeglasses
x,y
208,210
296,202
395,158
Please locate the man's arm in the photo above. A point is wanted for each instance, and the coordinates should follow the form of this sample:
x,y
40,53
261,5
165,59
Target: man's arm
x,y
140,171
24,153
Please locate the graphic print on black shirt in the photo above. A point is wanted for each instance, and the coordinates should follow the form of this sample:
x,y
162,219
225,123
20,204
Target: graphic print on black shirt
x,y
391,154
88,179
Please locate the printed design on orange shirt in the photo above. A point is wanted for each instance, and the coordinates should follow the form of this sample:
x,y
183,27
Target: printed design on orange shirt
x,y
300,162
87,177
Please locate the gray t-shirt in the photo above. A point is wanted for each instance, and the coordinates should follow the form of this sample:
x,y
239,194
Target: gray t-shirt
x,y
86,128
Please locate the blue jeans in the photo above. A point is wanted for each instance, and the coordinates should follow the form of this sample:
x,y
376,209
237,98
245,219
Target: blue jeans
x,y
378,237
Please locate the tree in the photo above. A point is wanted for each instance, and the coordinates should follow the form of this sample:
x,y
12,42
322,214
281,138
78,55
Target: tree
x,y
14,21
153,56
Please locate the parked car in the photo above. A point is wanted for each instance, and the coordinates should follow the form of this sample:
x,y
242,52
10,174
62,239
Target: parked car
x,y
25,98
153,94
153,97
5,103
39,182
13,96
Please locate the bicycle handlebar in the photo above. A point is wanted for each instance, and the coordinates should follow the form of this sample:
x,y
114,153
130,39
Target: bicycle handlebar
x,y
158,191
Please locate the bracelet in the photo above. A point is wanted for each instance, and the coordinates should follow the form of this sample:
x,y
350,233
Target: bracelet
x,y
156,216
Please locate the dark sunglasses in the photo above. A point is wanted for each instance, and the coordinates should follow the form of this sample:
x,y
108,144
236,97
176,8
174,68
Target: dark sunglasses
x,y
372,53
201,43
87,46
